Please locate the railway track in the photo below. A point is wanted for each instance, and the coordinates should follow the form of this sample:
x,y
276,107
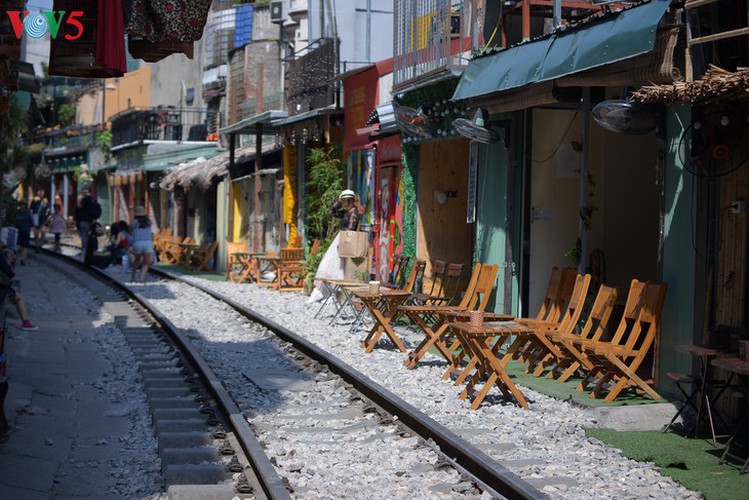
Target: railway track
x,y
278,402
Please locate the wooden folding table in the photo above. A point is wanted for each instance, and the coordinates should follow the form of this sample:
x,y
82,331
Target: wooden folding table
x,y
482,343
382,306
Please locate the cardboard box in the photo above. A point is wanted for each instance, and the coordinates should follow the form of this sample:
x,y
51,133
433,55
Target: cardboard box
x,y
354,267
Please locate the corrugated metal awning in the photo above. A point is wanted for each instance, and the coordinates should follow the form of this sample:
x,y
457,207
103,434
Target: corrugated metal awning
x,y
309,115
250,125
606,40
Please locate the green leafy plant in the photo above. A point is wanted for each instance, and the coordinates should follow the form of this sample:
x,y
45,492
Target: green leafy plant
x,y
309,268
103,141
586,215
66,114
324,185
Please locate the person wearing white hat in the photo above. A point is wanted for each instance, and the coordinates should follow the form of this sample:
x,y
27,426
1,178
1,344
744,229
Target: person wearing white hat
x,y
346,210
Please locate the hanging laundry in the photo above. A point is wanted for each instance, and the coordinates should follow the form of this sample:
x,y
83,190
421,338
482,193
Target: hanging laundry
x,y
156,51
159,28
166,20
100,50
110,36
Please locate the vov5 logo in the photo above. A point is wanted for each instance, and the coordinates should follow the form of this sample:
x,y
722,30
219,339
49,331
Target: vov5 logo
x,y
37,24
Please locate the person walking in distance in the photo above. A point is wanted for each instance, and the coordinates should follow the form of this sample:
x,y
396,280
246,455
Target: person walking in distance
x,y
56,225
39,214
84,216
141,250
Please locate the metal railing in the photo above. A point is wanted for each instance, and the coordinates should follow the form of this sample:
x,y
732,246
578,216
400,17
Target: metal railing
x,y
161,124
430,36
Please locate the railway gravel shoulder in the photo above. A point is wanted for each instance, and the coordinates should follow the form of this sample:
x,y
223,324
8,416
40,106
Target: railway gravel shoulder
x,y
546,445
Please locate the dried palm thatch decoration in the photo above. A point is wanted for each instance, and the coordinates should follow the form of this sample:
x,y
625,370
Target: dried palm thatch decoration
x,y
716,84
200,172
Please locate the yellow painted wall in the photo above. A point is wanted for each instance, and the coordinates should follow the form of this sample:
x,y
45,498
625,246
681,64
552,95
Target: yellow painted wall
x,y
130,90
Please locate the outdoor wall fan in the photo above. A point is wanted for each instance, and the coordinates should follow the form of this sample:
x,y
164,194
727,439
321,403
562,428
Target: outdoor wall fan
x,y
476,129
413,121
624,117
715,139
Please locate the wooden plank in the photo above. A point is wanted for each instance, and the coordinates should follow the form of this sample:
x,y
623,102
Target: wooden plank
x,y
693,4
719,36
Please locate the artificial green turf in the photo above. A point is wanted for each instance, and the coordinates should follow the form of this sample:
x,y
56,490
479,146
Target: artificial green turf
x,y
177,269
568,390
691,462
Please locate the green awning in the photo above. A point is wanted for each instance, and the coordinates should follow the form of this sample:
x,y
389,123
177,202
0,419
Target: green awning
x,y
612,38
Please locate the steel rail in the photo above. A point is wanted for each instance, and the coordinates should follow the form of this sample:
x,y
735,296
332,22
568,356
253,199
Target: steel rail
x,y
264,470
471,459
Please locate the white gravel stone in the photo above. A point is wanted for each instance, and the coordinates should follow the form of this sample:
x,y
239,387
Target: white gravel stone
x,y
545,440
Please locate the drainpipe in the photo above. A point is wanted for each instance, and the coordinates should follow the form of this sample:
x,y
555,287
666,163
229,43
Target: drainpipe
x,y
584,172
258,239
229,219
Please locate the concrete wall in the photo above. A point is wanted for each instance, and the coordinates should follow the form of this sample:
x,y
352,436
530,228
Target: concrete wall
x,y
349,17
168,75
625,224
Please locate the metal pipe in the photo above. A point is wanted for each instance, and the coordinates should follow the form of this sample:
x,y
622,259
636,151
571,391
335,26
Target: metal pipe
x,y
259,226
584,173
557,13
369,31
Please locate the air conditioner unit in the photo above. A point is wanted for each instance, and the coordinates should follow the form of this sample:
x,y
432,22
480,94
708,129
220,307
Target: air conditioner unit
x,y
278,12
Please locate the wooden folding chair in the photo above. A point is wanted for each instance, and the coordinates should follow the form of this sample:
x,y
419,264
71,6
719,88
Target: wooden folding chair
x,y
538,348
453,280
290,269
198,258
616,362
571,358
235,267
476,298
173,250
397,275
439,268
558,294
163,236
413,277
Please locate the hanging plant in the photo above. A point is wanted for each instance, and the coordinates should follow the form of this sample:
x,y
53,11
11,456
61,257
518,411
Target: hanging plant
x,y
42,171
81,174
